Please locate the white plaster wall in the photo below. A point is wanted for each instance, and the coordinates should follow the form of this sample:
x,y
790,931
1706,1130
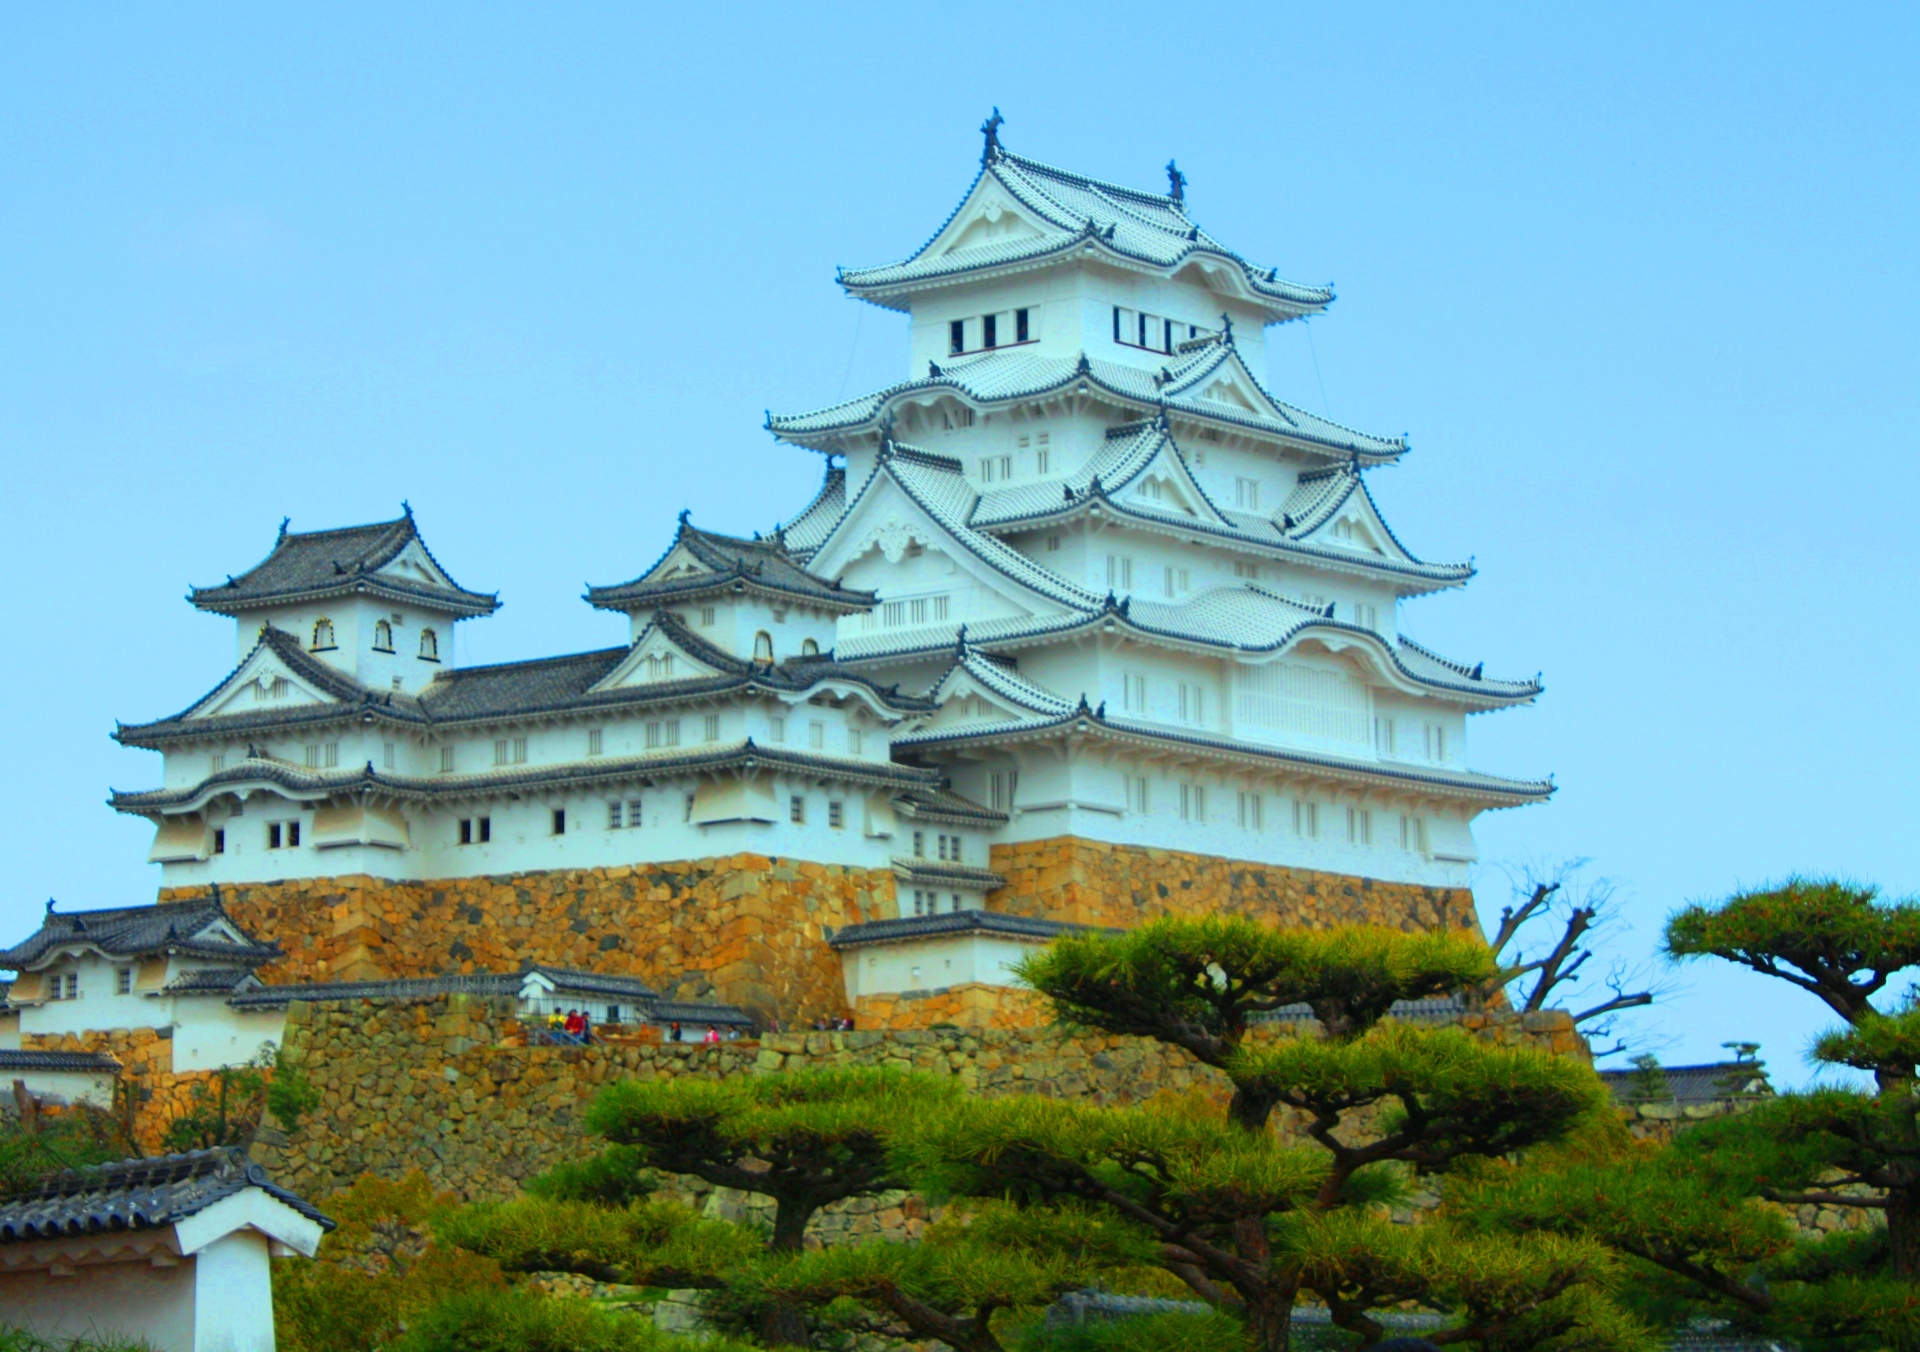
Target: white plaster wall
x,y
99,1005
208,1033
132,1300
354,619
928,964
233,1294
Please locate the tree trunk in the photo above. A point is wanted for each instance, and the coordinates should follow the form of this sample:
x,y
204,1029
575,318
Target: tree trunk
x,y
1903,1232
784,1325
1250,1108
1270,1321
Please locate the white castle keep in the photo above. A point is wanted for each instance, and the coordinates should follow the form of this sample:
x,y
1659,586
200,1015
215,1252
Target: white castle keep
x,y
1079,574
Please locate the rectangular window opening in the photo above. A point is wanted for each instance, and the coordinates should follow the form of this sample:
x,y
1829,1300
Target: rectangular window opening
x,y
596,741
836,813
797,810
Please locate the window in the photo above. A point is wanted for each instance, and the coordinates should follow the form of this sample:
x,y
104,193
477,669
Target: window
x,y
322,635
836,813
920,900
706,617
1367,617
1193,802
429,646
817,735
1150,488
686,808
283,835
1410,834
763,647
559,821
808,648
634,815
387,754
446,760
273,835
855,742
797,810
1359,826
1119,573
476,830
664,733
779,729
1306,819
1053,544
1042,453
216,762
710,728
279,687
1000,789
510,751
615,815
219,840
1133,694
919,844
1139,799
1179,582
1252,811
123,981
596,741
1436,742
660,667
1193,703
994,467
990,331
893,613
917,610
939,608
1383,735
1246,569
382,636
957,336
1021,327
948,848
1246,494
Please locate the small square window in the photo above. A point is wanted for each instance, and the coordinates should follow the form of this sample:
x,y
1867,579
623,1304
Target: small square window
x,y
706,617
123,981
293,834
466,830
273,835
711,729
634,818
446,760
596,741
559,821
386,754
957,336
615,810
836,813
486,829
1020,326
796,809
816,734
854,741
779,729
219,840
919,844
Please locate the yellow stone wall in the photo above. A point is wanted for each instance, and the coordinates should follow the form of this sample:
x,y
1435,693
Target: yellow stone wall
x,y
750,930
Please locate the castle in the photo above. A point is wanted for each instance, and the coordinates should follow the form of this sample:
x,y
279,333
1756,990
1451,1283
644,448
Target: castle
x,y
1084,624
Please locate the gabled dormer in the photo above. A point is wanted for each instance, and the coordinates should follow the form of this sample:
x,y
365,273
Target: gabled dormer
x,y
371,601
750,599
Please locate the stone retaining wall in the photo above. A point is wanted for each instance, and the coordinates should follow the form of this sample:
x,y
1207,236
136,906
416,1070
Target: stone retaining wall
x,y
446,1086
156,1094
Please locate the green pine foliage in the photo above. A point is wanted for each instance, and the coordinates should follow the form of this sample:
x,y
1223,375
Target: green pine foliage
x,y
514,1321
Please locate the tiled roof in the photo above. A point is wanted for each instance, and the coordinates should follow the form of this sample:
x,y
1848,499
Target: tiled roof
x,y
1011,376
566,981
1142,227
210,981
298,781
1001,679
932,804
759,565
951,922
688,1011
58,1061
511,690
134,931
308,565
348,700
1084,721
138,1195
804,533
934,873
1436,1008
1696,1084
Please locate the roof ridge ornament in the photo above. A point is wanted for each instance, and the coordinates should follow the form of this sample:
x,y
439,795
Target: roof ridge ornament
x,y
933,369
1176,183
285,521
1226,328
990,129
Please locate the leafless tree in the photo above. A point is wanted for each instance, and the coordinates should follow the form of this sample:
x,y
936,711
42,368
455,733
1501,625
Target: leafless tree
x,y
1544,942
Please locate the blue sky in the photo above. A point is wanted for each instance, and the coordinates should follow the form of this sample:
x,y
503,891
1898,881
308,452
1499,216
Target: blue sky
x,y
1640,282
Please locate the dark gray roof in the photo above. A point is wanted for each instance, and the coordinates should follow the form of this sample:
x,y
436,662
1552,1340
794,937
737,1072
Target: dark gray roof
x,y
944,805
759,565
509,690
1439,1007
137,1195
1137,227
296,781
134,931
950,922
935,873
210,981
49,1061
309,565
1696,1084
689,1011
503,984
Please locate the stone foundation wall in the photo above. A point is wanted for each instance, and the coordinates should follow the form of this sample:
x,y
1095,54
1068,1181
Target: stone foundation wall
x,y
749,930
744,929
972,1005
448,1086
1094,883
150,1095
